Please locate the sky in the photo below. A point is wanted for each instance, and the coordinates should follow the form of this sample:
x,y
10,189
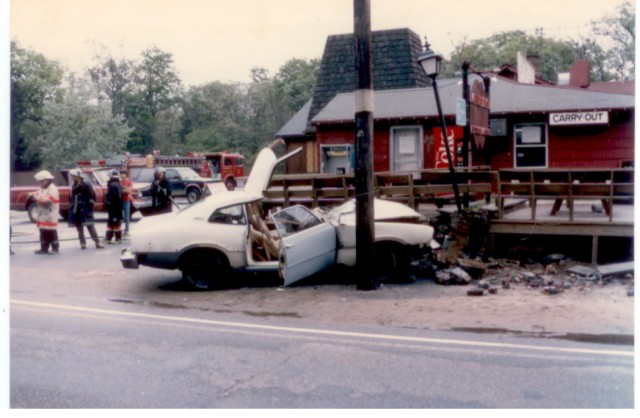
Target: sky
x,y
221,40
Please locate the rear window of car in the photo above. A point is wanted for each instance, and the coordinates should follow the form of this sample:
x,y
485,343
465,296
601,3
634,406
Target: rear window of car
x,y
142,175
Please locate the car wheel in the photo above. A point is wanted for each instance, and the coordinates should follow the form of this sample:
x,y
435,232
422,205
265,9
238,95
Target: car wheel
x,y
389,261
230,184
32,212
193,195
201,268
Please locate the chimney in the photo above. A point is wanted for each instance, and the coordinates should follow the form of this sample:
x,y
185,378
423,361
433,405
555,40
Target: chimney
x,y
534,59
580,74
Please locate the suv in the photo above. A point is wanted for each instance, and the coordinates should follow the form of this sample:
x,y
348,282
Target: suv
x,y
183,181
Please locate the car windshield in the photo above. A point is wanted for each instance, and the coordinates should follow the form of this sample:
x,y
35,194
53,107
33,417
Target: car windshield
x,y
142,175
186,173
294,219
101,175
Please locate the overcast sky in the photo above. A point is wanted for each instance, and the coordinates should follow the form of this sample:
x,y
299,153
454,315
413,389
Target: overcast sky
x,y
223,39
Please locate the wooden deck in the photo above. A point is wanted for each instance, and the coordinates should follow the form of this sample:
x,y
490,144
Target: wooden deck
x,y
588,202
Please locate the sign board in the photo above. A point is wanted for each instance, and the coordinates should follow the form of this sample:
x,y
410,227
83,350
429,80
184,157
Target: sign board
x,y
440,154
461,112
479,110
579,118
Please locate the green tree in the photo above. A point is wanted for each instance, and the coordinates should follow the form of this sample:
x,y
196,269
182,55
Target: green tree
x,y
156,88
114,81
619,31
502,48
35,81
76,127
295,82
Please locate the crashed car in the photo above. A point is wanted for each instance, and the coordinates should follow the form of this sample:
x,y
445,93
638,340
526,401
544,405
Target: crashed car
x,y
226,232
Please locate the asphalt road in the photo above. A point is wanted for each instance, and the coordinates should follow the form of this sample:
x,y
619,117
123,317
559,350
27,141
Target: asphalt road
x,y
86,333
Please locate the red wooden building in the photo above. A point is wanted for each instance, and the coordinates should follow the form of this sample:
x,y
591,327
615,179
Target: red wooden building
x,y
532,125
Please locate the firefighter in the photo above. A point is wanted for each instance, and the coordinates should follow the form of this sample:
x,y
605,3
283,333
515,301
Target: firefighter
x,y
48,211
113,201
160,192
81,204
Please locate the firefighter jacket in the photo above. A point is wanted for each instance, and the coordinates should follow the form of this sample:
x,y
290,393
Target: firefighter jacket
x,y
81,204
48,210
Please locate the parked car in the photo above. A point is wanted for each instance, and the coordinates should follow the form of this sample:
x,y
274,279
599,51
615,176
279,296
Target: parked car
x,y
183,181
22,197
227,232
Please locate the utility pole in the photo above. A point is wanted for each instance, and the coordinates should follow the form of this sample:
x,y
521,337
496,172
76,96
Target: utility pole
x,y
364,153
467,126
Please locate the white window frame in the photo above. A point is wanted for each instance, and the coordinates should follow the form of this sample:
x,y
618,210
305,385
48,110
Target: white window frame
x,y
516,147
420,145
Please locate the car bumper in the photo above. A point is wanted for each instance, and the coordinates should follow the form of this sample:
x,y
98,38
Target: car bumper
x,y
129,260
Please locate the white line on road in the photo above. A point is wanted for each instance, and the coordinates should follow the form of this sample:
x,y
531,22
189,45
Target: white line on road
x,y
310,331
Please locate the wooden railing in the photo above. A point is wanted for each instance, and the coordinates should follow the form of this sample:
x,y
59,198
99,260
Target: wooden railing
x,y
570,185
435,186
410,188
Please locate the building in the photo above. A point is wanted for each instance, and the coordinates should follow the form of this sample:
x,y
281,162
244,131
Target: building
x,y
533,124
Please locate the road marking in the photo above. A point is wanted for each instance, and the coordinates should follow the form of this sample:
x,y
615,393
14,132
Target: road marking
x,y
310,331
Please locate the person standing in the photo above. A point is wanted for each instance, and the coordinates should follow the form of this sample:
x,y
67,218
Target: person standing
x,y
113,201
160,192
47,213
127,198
81,203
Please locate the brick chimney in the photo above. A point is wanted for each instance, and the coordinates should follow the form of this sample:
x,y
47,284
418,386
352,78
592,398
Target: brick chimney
x,y
534,59
579,75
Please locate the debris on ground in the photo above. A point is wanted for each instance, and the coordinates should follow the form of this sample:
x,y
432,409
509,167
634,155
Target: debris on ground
x,y
462,259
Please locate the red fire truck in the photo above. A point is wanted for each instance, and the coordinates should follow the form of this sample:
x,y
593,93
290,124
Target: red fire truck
x,y
226,166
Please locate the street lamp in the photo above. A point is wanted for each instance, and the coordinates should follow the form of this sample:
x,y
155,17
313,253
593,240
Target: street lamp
x,y
431,64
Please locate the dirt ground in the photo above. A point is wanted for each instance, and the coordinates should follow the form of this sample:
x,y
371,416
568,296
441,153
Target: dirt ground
x,y
602,307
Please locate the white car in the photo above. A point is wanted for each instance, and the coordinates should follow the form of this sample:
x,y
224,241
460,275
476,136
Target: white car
x,y
227,232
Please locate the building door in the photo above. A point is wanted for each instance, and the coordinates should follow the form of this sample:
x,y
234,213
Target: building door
x,y
530,145
406,148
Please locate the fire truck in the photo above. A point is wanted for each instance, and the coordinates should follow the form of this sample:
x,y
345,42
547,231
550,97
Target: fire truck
x,y
228,167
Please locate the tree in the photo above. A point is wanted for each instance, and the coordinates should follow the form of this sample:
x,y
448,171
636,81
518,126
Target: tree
x,y
35,81
620,32
215,117
502,48
113,80
156,88
76,127
295,82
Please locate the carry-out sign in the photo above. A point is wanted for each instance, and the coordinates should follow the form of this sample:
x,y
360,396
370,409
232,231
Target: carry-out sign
x,y
579,118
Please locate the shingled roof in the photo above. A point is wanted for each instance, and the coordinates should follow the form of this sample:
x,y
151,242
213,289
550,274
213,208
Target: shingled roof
x,y
506,97
394,64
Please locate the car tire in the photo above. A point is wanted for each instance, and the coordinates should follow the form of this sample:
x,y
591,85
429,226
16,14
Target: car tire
x,y
193,195
32,211
389,262
200,268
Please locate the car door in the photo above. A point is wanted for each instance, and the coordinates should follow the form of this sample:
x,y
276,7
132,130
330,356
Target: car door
x,y
308,244
176,184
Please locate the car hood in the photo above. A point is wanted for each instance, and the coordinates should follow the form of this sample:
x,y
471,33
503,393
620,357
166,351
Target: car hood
x,y
262,170
383,210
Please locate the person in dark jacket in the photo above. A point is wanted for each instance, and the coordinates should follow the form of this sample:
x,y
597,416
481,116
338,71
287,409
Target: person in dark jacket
x,y
113,201
81,204
160,192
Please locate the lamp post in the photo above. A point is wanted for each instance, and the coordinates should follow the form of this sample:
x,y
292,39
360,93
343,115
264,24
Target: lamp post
x,y
431,64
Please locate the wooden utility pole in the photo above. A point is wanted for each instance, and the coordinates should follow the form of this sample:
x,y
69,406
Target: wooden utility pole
x,y
364,153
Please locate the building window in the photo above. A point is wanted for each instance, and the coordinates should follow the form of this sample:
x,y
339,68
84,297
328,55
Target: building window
x,y
530,145
406,148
